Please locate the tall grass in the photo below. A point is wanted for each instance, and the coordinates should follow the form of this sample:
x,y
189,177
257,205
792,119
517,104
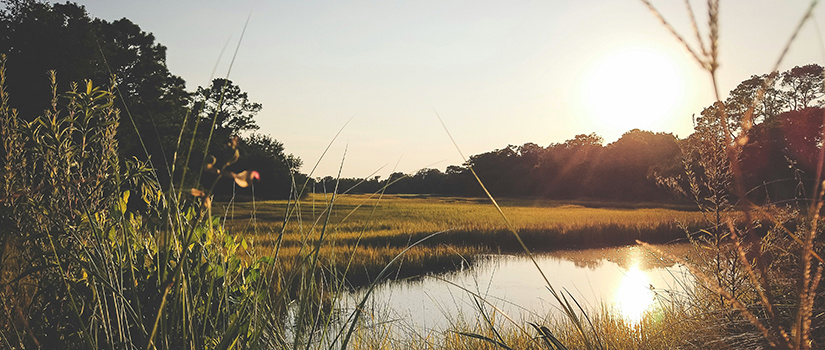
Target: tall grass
x,y
771,282
95,255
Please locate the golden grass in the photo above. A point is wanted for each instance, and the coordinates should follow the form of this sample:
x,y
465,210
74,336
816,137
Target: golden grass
x,y
404,214
363,235
669,327
375,232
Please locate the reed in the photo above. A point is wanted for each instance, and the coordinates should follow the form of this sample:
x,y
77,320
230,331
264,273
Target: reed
x,y
765,287
82,268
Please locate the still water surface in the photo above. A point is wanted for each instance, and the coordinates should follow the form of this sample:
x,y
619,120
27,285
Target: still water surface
x,y
626,279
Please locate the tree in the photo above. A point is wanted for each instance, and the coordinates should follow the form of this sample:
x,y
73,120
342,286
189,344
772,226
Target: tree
x,y
40,37
220,112
626,170
224,105
584,141
803,86
780,148
767,96
497,170
746,98
563,169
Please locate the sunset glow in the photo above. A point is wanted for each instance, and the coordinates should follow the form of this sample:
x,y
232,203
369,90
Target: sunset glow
x,y
634,87
498,73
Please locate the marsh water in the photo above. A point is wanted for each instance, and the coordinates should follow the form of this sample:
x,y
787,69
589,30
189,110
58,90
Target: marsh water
x,y
628,280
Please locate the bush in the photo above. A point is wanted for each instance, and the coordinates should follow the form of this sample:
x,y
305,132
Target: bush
x,y
95,255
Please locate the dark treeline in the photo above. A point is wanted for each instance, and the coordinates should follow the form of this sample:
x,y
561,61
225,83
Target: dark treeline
x,y
577,168
781,144
161,123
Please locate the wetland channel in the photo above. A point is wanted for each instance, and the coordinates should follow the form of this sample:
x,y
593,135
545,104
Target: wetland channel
x,y
630,280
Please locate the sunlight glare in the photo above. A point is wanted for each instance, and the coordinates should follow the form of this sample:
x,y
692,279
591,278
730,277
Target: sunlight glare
x,y
637,87
634,295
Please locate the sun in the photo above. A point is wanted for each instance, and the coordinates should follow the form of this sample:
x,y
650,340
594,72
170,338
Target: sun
x,y
635,87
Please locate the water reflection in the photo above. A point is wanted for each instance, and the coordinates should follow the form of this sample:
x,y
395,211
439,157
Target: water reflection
x,y
623,279
635,293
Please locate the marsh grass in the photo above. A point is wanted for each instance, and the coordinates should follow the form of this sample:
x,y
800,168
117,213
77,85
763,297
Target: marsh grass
x,y
396,218
373,233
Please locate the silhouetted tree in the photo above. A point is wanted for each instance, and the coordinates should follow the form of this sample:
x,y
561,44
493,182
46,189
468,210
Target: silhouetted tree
x,y
277,169
218,113
224,105
39,37
497,170
626,170
565,168
745,98
803,86
780,158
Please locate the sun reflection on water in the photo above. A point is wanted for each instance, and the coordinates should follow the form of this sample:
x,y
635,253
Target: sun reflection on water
x,y
634,296
615,280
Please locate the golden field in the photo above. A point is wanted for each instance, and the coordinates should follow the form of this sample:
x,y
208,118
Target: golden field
x,y
365,232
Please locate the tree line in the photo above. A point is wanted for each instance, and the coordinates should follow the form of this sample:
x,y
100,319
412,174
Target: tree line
x,y
581,167
781,114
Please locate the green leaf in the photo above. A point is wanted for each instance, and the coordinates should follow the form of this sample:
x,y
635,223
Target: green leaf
x,y
124,200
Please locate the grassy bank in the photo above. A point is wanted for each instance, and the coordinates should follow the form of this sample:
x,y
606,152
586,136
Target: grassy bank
x,y
378,230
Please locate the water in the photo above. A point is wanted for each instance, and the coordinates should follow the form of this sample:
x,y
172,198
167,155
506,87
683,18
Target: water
x,y
626,279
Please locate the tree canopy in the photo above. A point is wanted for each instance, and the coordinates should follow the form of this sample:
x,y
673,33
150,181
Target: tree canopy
x,y
154,104
41,37
227,107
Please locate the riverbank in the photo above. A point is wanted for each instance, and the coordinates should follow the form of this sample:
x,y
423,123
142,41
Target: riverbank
x,y
362,233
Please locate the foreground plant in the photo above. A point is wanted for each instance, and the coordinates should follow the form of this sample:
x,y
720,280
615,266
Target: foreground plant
x,y
781,271
95,255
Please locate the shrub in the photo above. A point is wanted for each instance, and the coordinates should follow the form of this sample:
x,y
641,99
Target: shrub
x,y
95,255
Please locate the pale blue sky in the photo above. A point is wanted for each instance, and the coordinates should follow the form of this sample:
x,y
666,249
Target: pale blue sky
x,y
498,73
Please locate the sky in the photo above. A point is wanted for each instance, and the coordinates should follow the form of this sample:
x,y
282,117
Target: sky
x,y
497,73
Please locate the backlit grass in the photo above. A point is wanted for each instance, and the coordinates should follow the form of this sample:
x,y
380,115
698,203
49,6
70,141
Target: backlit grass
x,y
378,230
